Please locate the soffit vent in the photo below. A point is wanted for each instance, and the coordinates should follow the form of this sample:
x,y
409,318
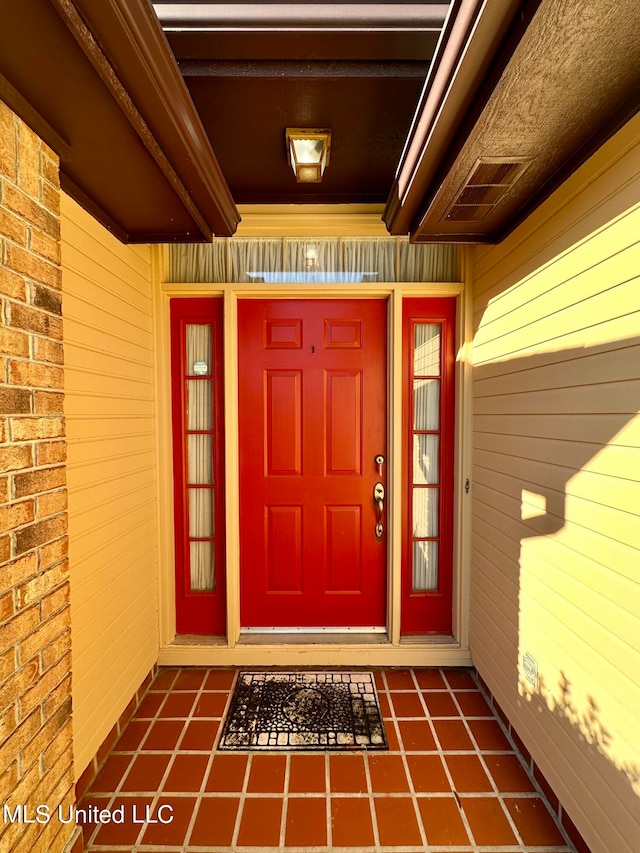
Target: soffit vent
x,y
499,172
485,186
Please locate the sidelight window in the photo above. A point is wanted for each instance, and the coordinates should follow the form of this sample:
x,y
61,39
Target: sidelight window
x,y
196,341
428,332
200,437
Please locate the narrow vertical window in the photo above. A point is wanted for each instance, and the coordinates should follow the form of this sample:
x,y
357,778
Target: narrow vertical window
x,y
200,441
428,365
196,347
425,436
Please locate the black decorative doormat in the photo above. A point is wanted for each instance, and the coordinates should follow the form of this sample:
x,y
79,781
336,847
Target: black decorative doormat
x,y
304,711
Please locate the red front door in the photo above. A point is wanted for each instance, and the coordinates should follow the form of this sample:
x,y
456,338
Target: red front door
x,y
312,420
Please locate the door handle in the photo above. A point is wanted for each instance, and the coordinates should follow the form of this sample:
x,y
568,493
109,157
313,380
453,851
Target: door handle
x,y
378,497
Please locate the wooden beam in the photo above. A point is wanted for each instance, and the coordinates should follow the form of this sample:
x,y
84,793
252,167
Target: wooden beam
x,y
306,69
177,141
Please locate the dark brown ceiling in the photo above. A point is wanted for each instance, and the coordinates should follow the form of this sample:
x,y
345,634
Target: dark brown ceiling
x,y
246,118
168,115
255,69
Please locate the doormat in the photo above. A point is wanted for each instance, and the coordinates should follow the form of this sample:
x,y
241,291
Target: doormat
x,y
304,711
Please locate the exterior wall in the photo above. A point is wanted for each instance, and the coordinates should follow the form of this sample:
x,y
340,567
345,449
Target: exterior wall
x,y
555,488
36,761
109,405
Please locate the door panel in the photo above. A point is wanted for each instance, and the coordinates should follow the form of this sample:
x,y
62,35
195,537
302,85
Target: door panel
x,y
344,554
283,541
312,419
283,422
343,413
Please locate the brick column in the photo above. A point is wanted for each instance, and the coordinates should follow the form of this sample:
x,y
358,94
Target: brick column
x,y
36,758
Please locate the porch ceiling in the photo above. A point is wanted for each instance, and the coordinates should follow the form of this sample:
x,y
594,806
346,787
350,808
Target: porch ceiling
x,y
255,69
167,115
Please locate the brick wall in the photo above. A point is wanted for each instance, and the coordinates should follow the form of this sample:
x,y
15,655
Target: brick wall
x,y
35,657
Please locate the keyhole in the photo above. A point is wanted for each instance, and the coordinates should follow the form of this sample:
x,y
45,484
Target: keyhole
x,y
313,349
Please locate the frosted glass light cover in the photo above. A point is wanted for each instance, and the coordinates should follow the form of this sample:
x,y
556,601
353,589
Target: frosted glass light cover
x,y
307,151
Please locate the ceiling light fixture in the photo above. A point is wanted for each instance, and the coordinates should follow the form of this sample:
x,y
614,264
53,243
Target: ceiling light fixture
x,y
308,152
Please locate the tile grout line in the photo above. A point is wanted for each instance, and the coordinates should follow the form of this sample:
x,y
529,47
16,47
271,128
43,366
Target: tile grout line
x,y
489,699
242,799
176,747
367,757
372,808
207,770
156,795
285,800
112,797
175,753
489,775
216,742
118,787
441,753
327,810
418,815
500,793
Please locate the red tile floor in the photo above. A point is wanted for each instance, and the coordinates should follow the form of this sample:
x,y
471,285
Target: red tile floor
x,y
451,781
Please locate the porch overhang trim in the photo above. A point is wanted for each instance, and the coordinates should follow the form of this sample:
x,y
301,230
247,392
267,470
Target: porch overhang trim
x,y
474,34
539,93
132,147
132,38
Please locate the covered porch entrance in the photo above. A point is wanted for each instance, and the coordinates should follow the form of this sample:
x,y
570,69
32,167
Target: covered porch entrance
x,y
335,476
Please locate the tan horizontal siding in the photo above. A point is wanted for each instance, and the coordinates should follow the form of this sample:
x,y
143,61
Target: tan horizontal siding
x,y
563,452
584,429
556,493
606,530
585,322
103,266
615,396
611,254
109,407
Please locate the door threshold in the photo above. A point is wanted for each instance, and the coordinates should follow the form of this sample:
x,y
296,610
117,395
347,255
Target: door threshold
x,y
428,640
308,637
312,650
199,640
